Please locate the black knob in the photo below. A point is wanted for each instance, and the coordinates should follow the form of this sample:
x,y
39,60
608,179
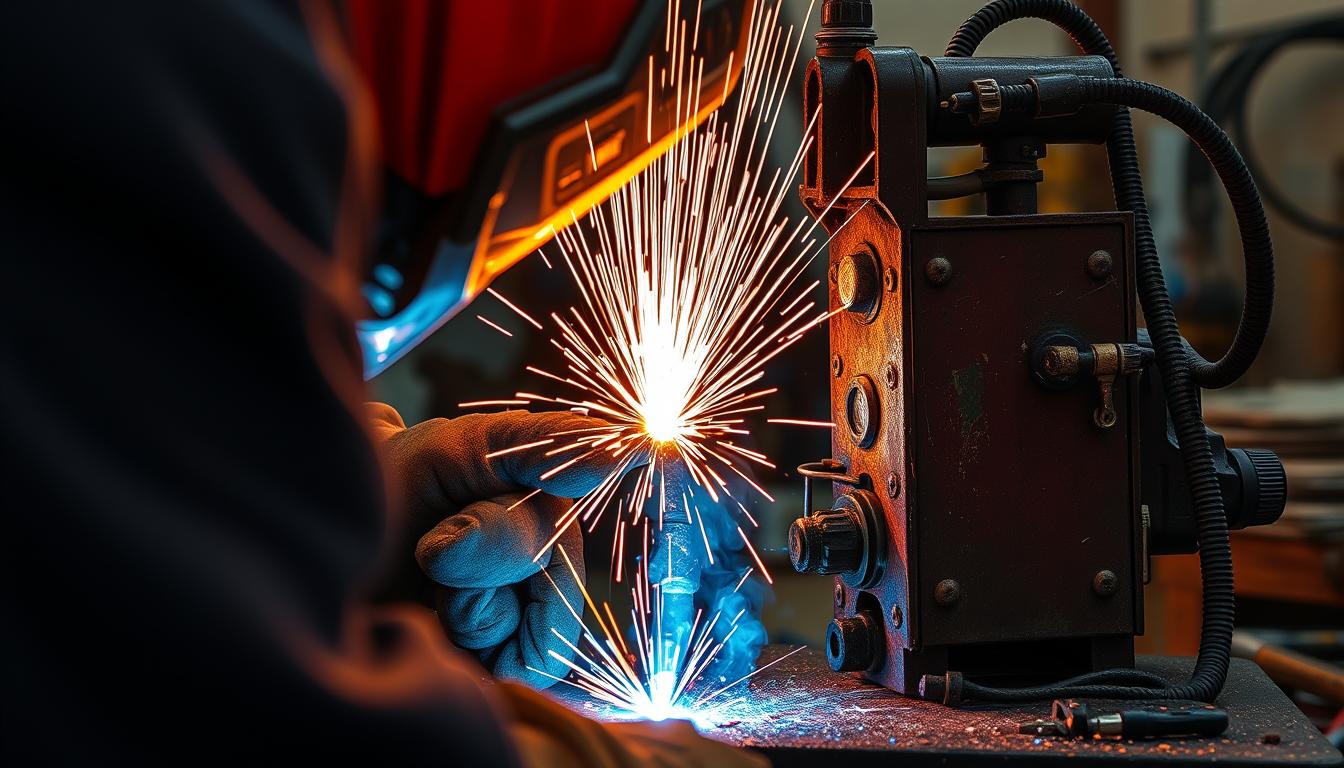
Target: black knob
x,y
847,13
1264,486
827,542
852,642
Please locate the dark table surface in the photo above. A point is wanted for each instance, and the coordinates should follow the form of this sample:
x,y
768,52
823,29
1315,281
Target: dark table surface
x,y
799,712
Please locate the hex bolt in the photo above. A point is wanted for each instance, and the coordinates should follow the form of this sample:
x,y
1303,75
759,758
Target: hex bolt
x,y
947,592
837,366
1105,583
893,376
1099,264
889,279
938,270
893,485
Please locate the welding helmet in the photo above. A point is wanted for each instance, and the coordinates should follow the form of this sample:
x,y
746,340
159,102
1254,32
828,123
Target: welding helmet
x,y
504,121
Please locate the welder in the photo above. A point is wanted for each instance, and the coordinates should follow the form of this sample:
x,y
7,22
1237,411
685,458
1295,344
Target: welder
x,y
200,509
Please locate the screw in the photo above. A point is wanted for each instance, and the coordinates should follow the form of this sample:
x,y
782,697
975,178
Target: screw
x,y
896,618
839,595
1105,583
837,366
938,270
948,592
889,279
1099,264
893,376
893,485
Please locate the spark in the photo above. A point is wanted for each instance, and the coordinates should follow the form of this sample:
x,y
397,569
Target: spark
x,y
690,283
514,307
490,404
802,422
689,279
496,326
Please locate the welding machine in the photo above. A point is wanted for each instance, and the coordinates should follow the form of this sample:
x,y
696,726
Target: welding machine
x,y
1009,447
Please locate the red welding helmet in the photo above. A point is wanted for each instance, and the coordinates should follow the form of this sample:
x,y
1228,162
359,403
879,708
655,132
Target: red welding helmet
x,y
502,121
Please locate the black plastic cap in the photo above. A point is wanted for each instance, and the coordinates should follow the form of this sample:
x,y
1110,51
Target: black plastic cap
x,y
851,643
847,13
1272,486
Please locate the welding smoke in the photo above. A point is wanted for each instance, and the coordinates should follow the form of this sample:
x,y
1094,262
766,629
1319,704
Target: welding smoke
x,y
717,583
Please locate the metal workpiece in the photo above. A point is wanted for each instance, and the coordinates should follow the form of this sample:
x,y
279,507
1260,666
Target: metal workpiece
x,y
801,714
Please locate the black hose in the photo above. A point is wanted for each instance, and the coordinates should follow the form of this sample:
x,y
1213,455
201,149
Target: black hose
x,y
1178,377
1226,102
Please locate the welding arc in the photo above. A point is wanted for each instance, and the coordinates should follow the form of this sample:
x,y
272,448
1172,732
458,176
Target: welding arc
x,y
1181,377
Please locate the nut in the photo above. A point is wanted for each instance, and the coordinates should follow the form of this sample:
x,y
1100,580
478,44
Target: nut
x,y
1105,583
893,485
938,270
1099,264
947,592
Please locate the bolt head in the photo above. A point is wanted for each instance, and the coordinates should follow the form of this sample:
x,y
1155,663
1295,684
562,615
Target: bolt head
x,y
889,279
839,595
1105,583
837,366
938,270
947,592
897,618
1099,264
893,485
893,376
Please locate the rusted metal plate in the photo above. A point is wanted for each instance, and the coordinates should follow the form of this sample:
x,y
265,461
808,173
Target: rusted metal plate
x,y
1021,498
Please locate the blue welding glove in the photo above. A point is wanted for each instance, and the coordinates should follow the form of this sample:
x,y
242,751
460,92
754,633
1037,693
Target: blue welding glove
x,y
478,538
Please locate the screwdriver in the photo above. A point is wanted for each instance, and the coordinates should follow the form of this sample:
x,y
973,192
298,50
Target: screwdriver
x,y
1073,720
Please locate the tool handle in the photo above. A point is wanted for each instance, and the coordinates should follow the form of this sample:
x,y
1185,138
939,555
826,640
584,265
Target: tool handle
x,y
1154,724
1303,672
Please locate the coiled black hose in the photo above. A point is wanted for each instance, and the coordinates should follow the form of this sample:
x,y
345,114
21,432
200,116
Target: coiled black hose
x,y
1226,104
1179,380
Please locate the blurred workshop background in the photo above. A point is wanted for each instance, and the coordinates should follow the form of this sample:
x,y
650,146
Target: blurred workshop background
x,y
1273,74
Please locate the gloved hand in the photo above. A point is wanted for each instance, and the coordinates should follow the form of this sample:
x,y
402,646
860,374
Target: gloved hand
x,y
477,541
549,735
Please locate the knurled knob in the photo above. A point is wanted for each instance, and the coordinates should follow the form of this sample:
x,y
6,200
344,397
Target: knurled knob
x,y
847,13
1272,483
826,542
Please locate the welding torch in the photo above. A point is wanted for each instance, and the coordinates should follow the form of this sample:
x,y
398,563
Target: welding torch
x,y
674,563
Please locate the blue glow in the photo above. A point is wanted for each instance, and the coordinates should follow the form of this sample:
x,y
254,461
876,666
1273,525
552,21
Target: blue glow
x,y
387,276
381,301
385,340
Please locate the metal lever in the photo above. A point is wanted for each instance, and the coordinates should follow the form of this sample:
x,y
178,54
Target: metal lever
x,y
1061,365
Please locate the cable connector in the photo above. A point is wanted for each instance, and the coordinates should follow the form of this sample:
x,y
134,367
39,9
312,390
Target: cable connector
x,y
945,689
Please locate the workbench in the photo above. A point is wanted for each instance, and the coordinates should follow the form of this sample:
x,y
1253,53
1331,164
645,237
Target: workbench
x,y
798,712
